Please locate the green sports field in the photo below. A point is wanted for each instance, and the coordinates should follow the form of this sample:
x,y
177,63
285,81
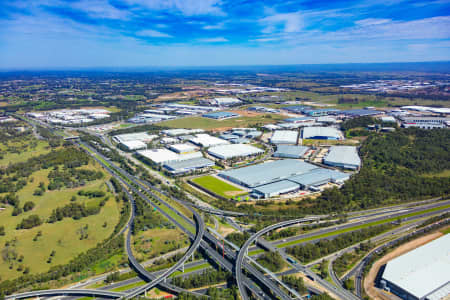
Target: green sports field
x,y
218,186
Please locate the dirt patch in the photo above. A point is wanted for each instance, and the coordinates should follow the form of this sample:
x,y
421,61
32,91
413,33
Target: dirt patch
x,y
315,285
369,287
246,113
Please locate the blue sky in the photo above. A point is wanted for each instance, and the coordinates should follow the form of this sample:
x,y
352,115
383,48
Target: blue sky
x,y
118,33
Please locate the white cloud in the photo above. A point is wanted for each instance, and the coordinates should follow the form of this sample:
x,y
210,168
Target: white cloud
x,y
100,9
372,21
291,22
185,7
153,33
217,26
213,40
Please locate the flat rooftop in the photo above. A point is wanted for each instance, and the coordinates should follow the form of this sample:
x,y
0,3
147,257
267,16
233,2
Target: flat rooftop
x,y
268,172
343,155
422,271
234,150
284,137
321,132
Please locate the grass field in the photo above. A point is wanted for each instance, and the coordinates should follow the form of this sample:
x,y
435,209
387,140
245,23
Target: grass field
x,y
210,124
129,286
191,269
345,230
446,230
218,186
154,242
64,236
42,147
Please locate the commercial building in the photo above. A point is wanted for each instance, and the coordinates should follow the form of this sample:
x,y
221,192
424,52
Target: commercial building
x,y
234,150
275,189
138,136
183,148
133,145
221,115
317,177
424,122
284,137
321,133
360,112
290,151
344,157
162,155
226,101
266,173
206,140
188,165
422,273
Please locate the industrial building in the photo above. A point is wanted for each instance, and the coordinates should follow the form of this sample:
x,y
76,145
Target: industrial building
x,y
301,120
321,133
320,112
387,119
425,122
291,151
421,274
162,155
183,148
132,145
225,101
221,115
180,131
360,112
283,176
266,173
344,157
138,136
234,150
206,140
284,137
188,165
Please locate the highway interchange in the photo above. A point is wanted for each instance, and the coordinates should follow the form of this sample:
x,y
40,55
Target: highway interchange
x,y
260,285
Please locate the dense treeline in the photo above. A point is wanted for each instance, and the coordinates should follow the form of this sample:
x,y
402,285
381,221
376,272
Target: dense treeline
x,y
75,211
71,178
296,283
359,122
397,167
238,238
214,294
147,218
29,222
308,252
207,277
272,261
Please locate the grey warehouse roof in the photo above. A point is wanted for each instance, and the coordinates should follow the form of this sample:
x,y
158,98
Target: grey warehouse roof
x,y
268,172
290,151
343,155
233,150
185,165
329,132
279,187
422,271
284,137
319,176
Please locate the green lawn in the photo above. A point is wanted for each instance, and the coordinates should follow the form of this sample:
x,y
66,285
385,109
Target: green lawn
x,y
42,147
64,236
218,186
191,269
446,230
129,286
333,233
208,124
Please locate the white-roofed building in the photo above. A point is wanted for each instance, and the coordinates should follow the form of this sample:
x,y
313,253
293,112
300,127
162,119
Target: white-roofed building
x,y
284,137
344,157
234,150
206,140
162,155
133,145
183,148
321,133
225,101
423,273
137,136
180,131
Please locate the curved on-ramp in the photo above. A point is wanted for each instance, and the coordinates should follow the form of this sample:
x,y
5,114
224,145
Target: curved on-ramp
x,y
67,292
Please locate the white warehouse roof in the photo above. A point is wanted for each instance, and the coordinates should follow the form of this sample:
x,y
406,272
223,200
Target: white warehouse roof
x,y
233,150
206,140
330,133
284,137
163,155
137,136
183,148
343,156
423,271
134,145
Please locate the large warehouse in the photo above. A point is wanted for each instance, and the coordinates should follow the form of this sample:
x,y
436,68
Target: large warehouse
x,y
138,136
284,137
206,140
184,166
161,156
267,172
421,274
321,133
344,157
234,150
291,151
283,176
